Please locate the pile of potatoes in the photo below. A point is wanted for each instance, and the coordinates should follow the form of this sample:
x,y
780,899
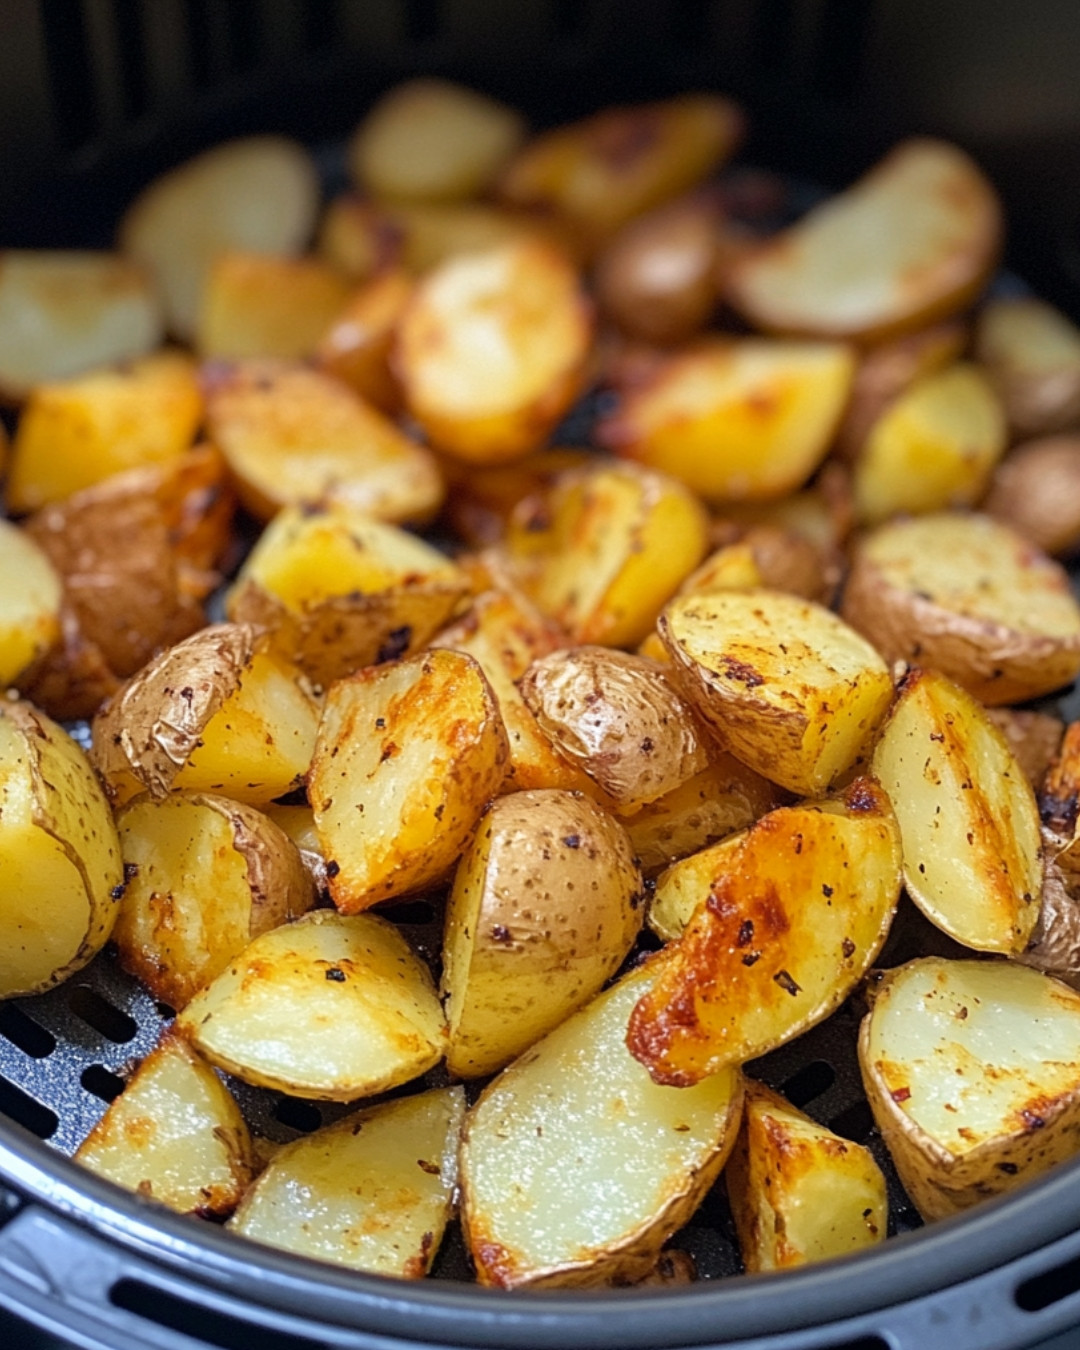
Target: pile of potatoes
x,y
666,725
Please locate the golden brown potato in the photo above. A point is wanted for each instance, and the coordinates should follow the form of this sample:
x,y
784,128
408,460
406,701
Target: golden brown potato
x,y
481,498
1059,793
491,350
935,447
787,918
1033,737
413,750
219,712
340,591
620,718
601,172
1032,352
1035,490
373,1191
969,597
789,688
737,419
258,194
770,556
357,345
80,431
433,141
254,304
969,1100
203,877
298,823
604,548
576,1167
332,1006
294,437
967,814
64,313
798,1192
174,1135
912,242
30,597
61,878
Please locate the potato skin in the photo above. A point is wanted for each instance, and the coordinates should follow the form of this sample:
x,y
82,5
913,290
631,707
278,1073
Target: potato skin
x,y
1036,491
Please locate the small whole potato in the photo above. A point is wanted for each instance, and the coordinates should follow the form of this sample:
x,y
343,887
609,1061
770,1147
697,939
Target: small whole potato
x,y
1036,490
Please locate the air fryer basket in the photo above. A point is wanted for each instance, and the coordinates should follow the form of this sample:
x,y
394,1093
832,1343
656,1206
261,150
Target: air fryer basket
x,y
98,95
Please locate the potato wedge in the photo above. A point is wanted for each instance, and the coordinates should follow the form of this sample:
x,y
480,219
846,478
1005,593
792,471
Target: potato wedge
x,y
332,1007
620,718
788,917
491,350
736,419
78,432
576,1167
969,1101
174,1135
1035,490
601,172
935,447
30,597
967,815
799,1193
789,688
605,548
912,242
415,748
219,712
203,877
64,313
341,591
968,597
357,344
61,878
546,904
258,194
1032,352
295,437
373,1191
254,304
433,141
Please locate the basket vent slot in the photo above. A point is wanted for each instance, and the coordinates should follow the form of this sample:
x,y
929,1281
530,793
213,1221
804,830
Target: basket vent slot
x,y
31,1038
23,1109
297,1115
855,1122
70,72
206,1325
1042,1291
96,1078
809,1083
110,1022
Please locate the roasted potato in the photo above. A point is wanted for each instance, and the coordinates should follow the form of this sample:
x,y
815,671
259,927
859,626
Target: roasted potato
x,y
546,903
1054,945
203,876
1035,490
1033,355
782,923
789,688
799,1193
1033,737
912,242
298,823
972,1072
576,1167
373,1191
413,750
30,596
969,597
174,1135
481,498
356,347
60,883
332,1006
771,556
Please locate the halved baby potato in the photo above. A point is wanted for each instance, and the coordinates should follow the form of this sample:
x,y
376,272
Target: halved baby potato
x,y
332,1007
912,242
775,557
545,906
60,883
972,1072
203,876
1032,352
788,687
745,419
481,498
800,1193
219,712
1035,490
408,755
576,1167
174,1135
373,1191
967,815
30,599
356,346
784,920
969,597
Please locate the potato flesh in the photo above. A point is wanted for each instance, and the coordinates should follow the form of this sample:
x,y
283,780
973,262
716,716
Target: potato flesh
x,y
30,593
575,1166
332,1007
357,346
256,305
174,1135
1032,352
967,815
791,690
744,420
